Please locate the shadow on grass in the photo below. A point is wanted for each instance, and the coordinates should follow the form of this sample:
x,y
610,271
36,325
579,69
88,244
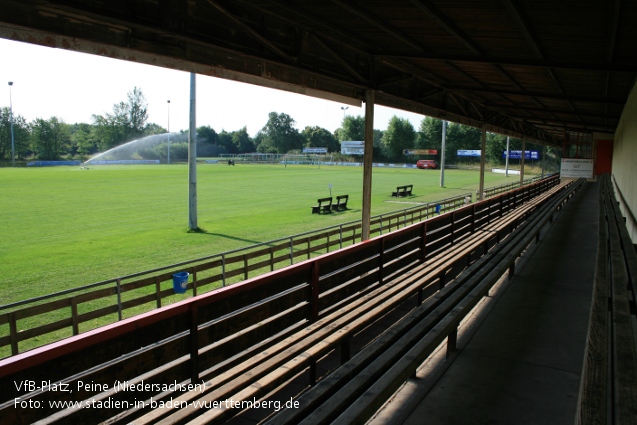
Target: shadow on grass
x,y
202,231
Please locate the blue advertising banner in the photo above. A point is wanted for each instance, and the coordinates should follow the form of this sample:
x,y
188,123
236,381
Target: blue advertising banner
x,y
123,161
469,152
518,154
51,163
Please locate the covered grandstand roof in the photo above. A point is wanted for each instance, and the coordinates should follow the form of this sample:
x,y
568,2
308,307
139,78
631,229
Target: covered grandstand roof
x,y
531,68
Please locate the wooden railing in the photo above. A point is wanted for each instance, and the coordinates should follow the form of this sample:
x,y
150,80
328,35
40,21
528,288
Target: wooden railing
x,y
496,190
49,318
199,337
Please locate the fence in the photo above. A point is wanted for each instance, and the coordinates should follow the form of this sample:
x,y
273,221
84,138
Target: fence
x,y
496,190
41,320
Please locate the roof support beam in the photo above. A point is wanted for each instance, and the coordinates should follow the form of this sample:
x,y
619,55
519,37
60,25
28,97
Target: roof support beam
x,y
526,62
253,33
339,59
525,27
541,95
374,20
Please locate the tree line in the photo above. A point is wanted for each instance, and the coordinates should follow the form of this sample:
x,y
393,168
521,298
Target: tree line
x,y
53,139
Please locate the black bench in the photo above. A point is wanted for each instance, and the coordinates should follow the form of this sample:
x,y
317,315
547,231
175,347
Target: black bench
x,y
324,205
402,191
341,203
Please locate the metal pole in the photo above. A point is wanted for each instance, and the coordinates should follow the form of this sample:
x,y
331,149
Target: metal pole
x,y
482,164
442,153
168,161
367,164
506,164
11,119
192,157
543,156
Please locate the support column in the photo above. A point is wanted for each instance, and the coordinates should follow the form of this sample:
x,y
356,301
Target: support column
x,y
543,156
522,162
442,153
506,161
192,157
367,164
483,150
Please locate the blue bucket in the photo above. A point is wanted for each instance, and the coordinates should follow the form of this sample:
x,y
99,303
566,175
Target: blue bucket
x,y
438,209
180,282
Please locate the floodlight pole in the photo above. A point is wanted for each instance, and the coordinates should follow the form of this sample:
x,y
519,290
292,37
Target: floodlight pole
x,y
11,120
192,158
442,153
168,160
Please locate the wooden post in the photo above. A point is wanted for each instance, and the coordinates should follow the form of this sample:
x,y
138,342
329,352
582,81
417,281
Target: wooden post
x,y
194,343
76,327
119,299
271,259
314,312
223,270
158,291
193,272
522,161
423,245
482,164
13,333
442,153
367,164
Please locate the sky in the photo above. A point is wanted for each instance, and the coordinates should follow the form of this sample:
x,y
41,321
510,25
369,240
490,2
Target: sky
x,y
73,86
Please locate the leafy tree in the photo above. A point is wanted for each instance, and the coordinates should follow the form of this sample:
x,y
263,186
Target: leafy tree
x,y
151,129
429,134
353,128
318,137
400,135
242,141
208,142
461,137
279,135
49,138
225,142
127,121
20,135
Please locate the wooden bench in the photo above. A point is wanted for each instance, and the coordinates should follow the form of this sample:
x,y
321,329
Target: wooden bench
x,y
324,205
609,375
264,372
245,340
354,392
402,191
341,203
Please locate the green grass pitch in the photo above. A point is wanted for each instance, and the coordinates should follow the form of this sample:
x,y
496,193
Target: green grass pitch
x,y
64,227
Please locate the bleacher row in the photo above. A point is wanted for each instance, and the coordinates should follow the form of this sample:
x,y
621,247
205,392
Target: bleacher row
x,y
608,392
243,342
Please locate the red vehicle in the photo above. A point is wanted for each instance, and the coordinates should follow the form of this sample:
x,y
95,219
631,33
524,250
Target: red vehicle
x,y
427,163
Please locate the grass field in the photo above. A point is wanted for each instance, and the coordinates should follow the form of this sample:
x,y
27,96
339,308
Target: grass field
x,y
64,227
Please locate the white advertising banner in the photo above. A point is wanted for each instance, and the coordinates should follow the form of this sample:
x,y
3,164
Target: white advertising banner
x,y
577,168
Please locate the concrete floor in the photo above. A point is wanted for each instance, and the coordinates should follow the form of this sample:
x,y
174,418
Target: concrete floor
x,y
522,362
